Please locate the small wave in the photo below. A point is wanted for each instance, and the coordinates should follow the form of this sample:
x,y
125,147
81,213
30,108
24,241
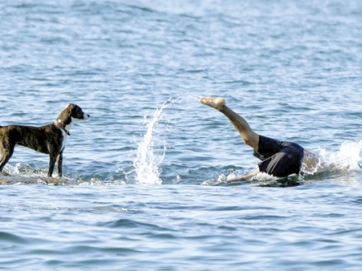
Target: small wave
x,y
129,223
11,238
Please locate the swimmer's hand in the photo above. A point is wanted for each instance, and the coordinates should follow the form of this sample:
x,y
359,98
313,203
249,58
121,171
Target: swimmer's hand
x,y
232,178
243,177
235,179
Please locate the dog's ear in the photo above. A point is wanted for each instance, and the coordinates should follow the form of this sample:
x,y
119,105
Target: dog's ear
x,y
71,106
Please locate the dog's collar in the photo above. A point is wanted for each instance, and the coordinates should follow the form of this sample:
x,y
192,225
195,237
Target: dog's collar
x,y
61,126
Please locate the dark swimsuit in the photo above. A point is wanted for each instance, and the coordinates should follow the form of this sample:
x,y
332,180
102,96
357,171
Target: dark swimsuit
x,y
279,158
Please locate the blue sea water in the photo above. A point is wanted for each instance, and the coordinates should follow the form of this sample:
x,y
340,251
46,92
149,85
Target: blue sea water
x,y
144,178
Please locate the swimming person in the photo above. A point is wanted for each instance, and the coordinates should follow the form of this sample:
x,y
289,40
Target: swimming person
x,y
278,158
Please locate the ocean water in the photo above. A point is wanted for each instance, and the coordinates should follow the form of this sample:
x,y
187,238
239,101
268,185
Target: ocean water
x,y
144,178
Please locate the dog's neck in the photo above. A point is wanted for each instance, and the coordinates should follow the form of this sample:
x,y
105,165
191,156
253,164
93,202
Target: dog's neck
x,y
65,121
68,117
58,123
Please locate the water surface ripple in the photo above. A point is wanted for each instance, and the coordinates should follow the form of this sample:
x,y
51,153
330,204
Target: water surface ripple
x,y
143,185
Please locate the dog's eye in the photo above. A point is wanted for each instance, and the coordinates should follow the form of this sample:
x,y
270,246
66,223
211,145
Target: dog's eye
x,y
77,111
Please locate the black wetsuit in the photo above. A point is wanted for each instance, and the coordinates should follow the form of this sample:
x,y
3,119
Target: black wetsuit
x,y
279,158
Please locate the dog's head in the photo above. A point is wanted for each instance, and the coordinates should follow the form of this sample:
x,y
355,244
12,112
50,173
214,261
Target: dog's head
x,y
71,114
77,113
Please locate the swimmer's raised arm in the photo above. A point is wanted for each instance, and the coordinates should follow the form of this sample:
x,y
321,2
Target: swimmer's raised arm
x,y
244,177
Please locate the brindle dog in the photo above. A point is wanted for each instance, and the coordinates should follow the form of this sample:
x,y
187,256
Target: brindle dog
x,y
49,139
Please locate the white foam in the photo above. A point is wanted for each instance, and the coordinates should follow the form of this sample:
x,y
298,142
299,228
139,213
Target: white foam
x,y
12,169
347,158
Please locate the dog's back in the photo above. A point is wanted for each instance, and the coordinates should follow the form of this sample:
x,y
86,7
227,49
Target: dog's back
x,y
45,139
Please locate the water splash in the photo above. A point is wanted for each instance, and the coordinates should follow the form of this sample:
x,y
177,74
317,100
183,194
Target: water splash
x,y
148,160
347,158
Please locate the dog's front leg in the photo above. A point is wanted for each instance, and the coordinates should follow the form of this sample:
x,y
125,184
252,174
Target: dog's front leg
x,y
60,164
51,164
6,155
